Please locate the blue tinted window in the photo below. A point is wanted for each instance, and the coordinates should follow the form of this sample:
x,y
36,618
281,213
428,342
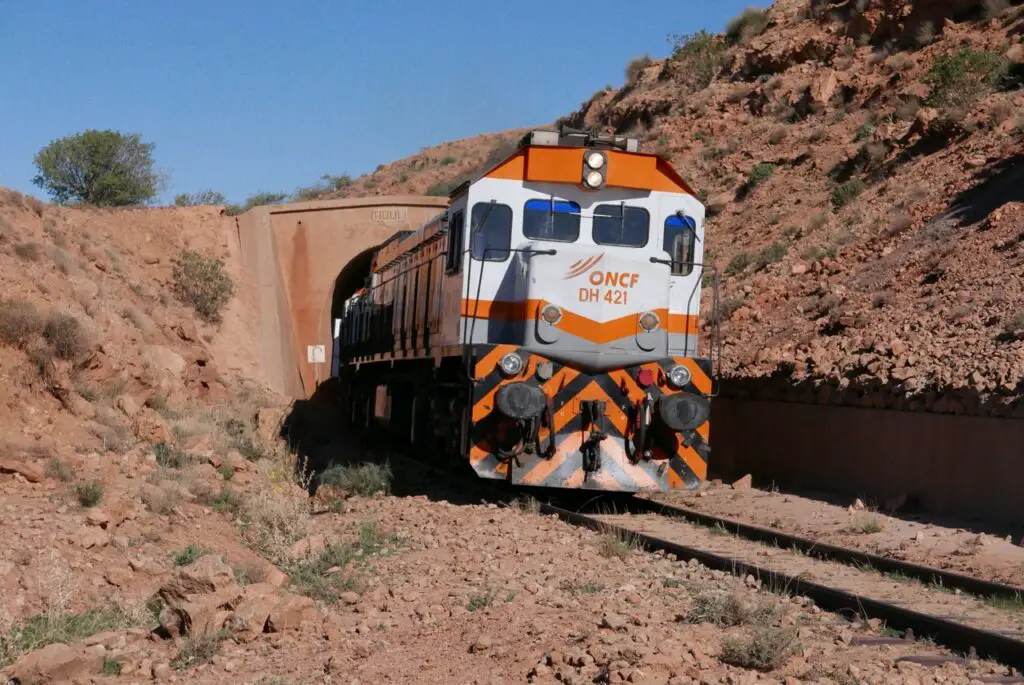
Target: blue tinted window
x,y
680,242
557,220
621,225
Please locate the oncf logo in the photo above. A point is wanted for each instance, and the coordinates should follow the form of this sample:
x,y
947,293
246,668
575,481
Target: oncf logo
x,y
581,266
612,279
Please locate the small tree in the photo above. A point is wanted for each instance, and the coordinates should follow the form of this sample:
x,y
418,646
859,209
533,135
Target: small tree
x,y
203,197
103,168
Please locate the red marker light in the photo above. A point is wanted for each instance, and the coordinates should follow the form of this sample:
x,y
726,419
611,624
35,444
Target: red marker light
x,y
645,377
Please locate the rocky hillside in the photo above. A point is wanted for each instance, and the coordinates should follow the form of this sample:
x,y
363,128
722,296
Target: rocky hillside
x,y
863,164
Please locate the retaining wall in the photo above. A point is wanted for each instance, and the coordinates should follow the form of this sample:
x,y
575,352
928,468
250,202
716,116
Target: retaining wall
x,y
963,466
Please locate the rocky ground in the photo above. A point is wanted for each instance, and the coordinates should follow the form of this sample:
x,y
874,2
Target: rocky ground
x,y
866,202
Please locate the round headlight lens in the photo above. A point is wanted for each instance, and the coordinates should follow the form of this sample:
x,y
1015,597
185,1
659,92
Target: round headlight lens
x,y
649,321
594,179
595,160
511,364
679,376
551,314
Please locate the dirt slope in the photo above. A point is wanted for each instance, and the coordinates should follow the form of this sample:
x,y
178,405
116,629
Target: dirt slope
x,y
867,203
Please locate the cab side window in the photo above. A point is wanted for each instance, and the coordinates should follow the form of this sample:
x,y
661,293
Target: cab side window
x,y
557,220
680,242
453,258
490,237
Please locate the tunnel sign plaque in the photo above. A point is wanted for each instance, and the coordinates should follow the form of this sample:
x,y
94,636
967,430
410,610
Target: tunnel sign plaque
x,y
316,354
392,217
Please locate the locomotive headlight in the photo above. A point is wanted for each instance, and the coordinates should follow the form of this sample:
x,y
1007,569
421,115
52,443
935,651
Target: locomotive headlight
x,y
595,160
679,376
551,314
649,321
511,364
594,179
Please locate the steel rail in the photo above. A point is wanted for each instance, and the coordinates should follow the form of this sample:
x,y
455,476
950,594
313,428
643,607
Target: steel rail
x,y
955,636
822,550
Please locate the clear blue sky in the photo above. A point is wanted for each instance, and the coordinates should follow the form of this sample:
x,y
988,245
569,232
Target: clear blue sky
x,y
243,96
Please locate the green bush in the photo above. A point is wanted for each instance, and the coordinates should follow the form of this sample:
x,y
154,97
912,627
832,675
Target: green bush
x,y
759,174
188,555
103,168
843,194
66,335
201,283
363,479
448,160
770,254
203,197
750,23
89,494
961,79
738,263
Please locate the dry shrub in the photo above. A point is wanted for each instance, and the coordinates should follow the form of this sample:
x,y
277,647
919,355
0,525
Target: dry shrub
x,y
901,61
749,24
899,223
993,9
1000,112
765,648
161,498
66,335
63,261
277,516
32,252
731,609
636,67
201,283
777,135
34,204
20,322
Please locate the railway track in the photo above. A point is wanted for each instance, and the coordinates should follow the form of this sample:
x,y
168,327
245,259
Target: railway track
x,y
957,633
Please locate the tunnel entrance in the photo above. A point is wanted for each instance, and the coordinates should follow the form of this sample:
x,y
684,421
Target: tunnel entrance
x,y
353,276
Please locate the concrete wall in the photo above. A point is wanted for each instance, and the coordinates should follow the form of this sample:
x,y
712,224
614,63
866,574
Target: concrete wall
x,y
295,253
968,467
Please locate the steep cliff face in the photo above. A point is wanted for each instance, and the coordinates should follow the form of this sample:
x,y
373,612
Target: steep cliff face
x,y
862,163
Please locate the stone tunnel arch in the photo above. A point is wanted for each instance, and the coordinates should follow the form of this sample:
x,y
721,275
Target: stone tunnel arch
x,y
303,259
350,278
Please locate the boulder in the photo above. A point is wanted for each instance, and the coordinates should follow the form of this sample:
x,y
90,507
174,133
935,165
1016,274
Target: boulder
x,y
197,596
56,663
253,611
31,472
291,612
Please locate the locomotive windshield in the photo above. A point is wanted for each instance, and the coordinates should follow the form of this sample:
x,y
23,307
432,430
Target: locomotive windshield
x,y
557,220
491,234
621,225
680,242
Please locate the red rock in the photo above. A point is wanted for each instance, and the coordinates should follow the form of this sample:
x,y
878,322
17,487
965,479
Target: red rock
x,y
254,608
30,471
56,663
290,613
743,483
196,594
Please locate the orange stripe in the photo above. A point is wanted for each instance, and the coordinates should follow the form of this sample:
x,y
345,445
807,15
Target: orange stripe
x,y
545,468
565,165
637,474
575,324
696,464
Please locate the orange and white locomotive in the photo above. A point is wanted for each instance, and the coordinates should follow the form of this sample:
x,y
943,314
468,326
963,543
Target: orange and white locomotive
x,y
544,328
